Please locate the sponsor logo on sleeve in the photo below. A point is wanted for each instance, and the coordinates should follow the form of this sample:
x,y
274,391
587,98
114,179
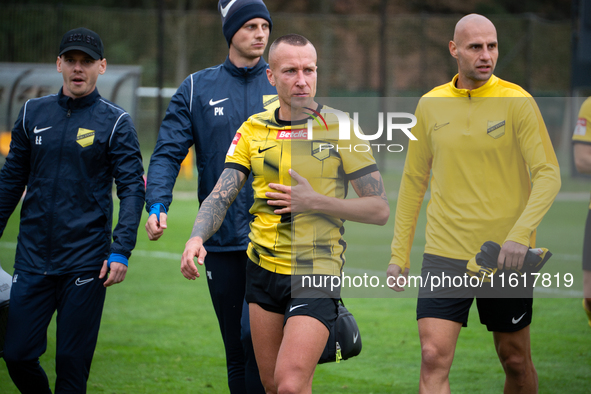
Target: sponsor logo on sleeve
x,y
233,145
581,128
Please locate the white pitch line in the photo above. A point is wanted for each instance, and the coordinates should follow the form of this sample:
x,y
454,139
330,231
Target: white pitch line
x,y
346,270
177,256
158,254
559,292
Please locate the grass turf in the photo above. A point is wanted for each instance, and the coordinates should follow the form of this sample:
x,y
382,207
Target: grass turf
x,y
159,333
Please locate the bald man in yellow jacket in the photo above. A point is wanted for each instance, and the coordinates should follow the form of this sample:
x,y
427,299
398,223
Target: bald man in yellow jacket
x,y
484,147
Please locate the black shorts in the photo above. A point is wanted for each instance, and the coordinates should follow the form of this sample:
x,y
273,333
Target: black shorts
x,y
507,314
587,244
498,314
273,293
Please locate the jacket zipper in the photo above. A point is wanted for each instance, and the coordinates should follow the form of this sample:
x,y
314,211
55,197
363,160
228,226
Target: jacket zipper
x,y
469,111
53,194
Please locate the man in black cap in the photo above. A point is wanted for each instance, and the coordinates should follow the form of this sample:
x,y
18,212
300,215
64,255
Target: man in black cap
x,y
66,149
207,109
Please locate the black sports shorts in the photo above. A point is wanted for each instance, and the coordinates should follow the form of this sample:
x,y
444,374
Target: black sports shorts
x,y
587,244
498,314
273,293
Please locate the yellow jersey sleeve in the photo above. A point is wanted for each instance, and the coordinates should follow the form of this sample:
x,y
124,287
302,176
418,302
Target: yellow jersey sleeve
x,y
582,131
415,180
539,155
238,156
357,158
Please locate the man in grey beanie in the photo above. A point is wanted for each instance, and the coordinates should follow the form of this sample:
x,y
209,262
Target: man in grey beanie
x,y
207,109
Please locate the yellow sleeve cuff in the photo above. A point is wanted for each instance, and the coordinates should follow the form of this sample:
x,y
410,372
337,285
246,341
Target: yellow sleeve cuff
x,y
402,265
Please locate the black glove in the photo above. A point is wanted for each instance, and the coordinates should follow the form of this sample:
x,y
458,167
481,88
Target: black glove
x,y
533,262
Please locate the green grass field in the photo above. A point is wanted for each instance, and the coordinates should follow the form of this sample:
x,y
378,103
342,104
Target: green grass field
x,y
159,333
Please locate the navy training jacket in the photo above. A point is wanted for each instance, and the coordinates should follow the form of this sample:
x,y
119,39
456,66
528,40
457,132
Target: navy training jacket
x,y
206,111
67,152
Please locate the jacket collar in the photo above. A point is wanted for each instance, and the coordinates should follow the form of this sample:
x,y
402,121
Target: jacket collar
x,y
83,102
244,72
483,91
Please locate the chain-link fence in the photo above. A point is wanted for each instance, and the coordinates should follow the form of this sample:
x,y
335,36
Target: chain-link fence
x,y
355,59
533,53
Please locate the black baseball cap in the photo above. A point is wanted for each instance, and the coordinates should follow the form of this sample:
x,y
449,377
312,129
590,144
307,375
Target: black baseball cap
x,y
82,39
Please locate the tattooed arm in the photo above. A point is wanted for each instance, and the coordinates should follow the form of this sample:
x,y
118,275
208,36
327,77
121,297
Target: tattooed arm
x,y
209,219
371,206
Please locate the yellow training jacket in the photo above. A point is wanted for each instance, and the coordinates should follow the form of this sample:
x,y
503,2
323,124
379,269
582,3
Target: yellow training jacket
x,y
479,147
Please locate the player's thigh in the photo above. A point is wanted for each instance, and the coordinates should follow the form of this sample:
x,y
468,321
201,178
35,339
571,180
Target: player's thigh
x,y
587,284
514,345
438,339
32,304
587,258
587,244
266,332
306,330
304,340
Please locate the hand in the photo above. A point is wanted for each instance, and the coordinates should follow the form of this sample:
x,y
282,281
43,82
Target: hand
x,y
512,255
293,199
392,274
193,248
116,273
155,227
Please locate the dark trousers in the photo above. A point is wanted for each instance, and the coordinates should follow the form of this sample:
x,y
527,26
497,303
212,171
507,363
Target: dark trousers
x,y
78,300
226,278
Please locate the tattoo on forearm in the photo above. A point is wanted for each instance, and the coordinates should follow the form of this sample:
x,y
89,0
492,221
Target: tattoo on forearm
x,y
370,185
213,210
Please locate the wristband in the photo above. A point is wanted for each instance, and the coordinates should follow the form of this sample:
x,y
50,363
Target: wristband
x,y
156,209
117,258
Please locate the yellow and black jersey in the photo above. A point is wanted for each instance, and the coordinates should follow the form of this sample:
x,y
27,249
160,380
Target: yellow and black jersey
x,y
310,242
481,150
582,134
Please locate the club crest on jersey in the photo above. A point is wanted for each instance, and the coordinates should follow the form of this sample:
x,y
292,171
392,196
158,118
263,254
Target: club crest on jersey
x,y
581,127
85,137
496,128
318,152
297,134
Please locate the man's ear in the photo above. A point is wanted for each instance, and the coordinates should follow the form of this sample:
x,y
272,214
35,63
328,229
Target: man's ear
x,y
453,49
270,77
103,66
58,64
